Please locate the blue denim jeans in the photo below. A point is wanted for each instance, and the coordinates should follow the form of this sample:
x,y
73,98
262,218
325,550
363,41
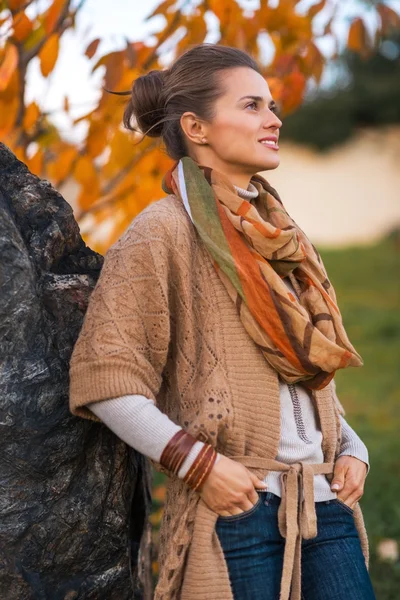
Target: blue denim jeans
x,y
333,565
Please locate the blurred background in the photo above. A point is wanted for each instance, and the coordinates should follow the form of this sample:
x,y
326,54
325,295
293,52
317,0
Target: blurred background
x,y
334,67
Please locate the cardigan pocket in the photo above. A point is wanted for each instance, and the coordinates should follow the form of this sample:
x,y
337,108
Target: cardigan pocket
x,y
242,515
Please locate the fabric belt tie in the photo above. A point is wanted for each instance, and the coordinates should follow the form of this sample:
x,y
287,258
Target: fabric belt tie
x,y
297,518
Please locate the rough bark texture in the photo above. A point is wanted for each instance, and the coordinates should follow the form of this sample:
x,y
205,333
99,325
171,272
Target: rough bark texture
x,y
73,497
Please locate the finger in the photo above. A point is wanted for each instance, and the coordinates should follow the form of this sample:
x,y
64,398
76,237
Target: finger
x,y
258,483
354,497
337,482
253,496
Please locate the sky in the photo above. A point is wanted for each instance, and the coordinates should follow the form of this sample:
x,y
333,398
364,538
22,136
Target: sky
x,y
114,22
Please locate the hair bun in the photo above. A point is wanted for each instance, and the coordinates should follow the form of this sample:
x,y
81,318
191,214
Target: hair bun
x,y
147,104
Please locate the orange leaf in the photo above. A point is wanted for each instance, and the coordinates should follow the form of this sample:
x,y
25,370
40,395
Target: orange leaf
x,y
8,66
48,54
92,48
53,14
85,172
31,115
15,4
22,26
389,18
66,104
294,86
161,8
316,8
35,163
61,168
357,38
96,138
8,115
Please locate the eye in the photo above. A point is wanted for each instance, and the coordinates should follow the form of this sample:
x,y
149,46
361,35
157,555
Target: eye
x,y
275,109
251,104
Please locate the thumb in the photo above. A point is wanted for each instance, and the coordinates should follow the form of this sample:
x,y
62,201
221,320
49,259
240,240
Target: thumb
x,y
338,479
258,483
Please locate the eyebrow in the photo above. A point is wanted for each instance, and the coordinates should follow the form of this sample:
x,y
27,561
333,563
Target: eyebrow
x,y
257,98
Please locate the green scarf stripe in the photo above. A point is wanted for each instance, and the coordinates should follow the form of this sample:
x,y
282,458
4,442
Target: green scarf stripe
x,y
206,219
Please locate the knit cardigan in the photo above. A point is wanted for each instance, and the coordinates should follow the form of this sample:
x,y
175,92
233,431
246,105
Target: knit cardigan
x,y
160,323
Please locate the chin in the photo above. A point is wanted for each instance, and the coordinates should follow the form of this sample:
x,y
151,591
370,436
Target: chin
x,y
268,165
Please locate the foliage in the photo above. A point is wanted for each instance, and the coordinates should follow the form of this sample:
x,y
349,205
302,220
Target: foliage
x,y
372,97
368,291
117,177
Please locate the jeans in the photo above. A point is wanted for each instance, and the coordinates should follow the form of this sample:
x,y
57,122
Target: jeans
x,y
333,565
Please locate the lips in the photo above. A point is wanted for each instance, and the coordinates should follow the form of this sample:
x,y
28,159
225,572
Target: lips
x,y
270,142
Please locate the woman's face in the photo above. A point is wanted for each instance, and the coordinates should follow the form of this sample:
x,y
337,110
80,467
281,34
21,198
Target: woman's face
x,y
242,138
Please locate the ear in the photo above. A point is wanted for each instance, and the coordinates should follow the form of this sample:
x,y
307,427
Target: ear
x,y
193,128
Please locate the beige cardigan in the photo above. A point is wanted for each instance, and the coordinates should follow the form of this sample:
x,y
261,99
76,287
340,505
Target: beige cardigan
x,y
160,323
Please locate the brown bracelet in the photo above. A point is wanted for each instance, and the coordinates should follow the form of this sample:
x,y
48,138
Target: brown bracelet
x,y
177,450
201,467
196,465
207,470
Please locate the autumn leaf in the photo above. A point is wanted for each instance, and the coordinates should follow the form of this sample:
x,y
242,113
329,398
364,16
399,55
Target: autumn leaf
x,y
390,20
357,37
161,9
8,65
316,8
92,48
61,167
31,116
22,25
53,15
48,54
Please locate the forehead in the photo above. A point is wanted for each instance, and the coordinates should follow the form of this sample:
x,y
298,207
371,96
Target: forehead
x,y
243,81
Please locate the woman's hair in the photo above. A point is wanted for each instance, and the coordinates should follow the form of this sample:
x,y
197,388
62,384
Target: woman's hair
x,y
159,98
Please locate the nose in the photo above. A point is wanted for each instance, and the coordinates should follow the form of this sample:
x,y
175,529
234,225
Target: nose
x,y
272,121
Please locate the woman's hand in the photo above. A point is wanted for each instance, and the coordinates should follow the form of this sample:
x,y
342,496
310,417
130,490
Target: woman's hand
x,y
230,488
349,477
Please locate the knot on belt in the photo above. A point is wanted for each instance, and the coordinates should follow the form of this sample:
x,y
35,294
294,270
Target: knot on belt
x,y
297,518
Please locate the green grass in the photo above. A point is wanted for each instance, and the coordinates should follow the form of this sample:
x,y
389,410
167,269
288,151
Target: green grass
x,y
367,284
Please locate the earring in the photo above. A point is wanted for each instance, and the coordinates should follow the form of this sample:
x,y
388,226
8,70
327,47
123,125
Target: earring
x,y
204,140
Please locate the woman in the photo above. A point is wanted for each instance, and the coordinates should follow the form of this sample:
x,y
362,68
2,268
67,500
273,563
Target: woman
x,y
210,344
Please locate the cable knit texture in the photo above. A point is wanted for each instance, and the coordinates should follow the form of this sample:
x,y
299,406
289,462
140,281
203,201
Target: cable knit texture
x,y
160,323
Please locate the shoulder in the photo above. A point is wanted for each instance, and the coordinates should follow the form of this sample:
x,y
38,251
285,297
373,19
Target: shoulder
x,y
160,222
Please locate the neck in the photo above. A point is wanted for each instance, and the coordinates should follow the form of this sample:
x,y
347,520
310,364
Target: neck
x,y
233,172
249,194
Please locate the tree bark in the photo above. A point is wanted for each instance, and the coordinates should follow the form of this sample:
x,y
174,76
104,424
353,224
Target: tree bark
x,y
74,498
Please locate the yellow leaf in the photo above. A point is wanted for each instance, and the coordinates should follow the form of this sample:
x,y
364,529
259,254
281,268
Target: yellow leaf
x,y
34,37
53,15
8,65
22,26
32,113
48,54
92,48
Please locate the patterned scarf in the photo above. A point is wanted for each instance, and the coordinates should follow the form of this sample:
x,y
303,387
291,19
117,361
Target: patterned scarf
x,y
303,339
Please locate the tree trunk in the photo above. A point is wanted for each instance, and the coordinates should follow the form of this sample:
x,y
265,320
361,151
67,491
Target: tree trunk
x,y
74,498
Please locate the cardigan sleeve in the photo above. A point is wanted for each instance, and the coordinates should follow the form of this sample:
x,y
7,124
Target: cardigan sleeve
x,y
123,344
